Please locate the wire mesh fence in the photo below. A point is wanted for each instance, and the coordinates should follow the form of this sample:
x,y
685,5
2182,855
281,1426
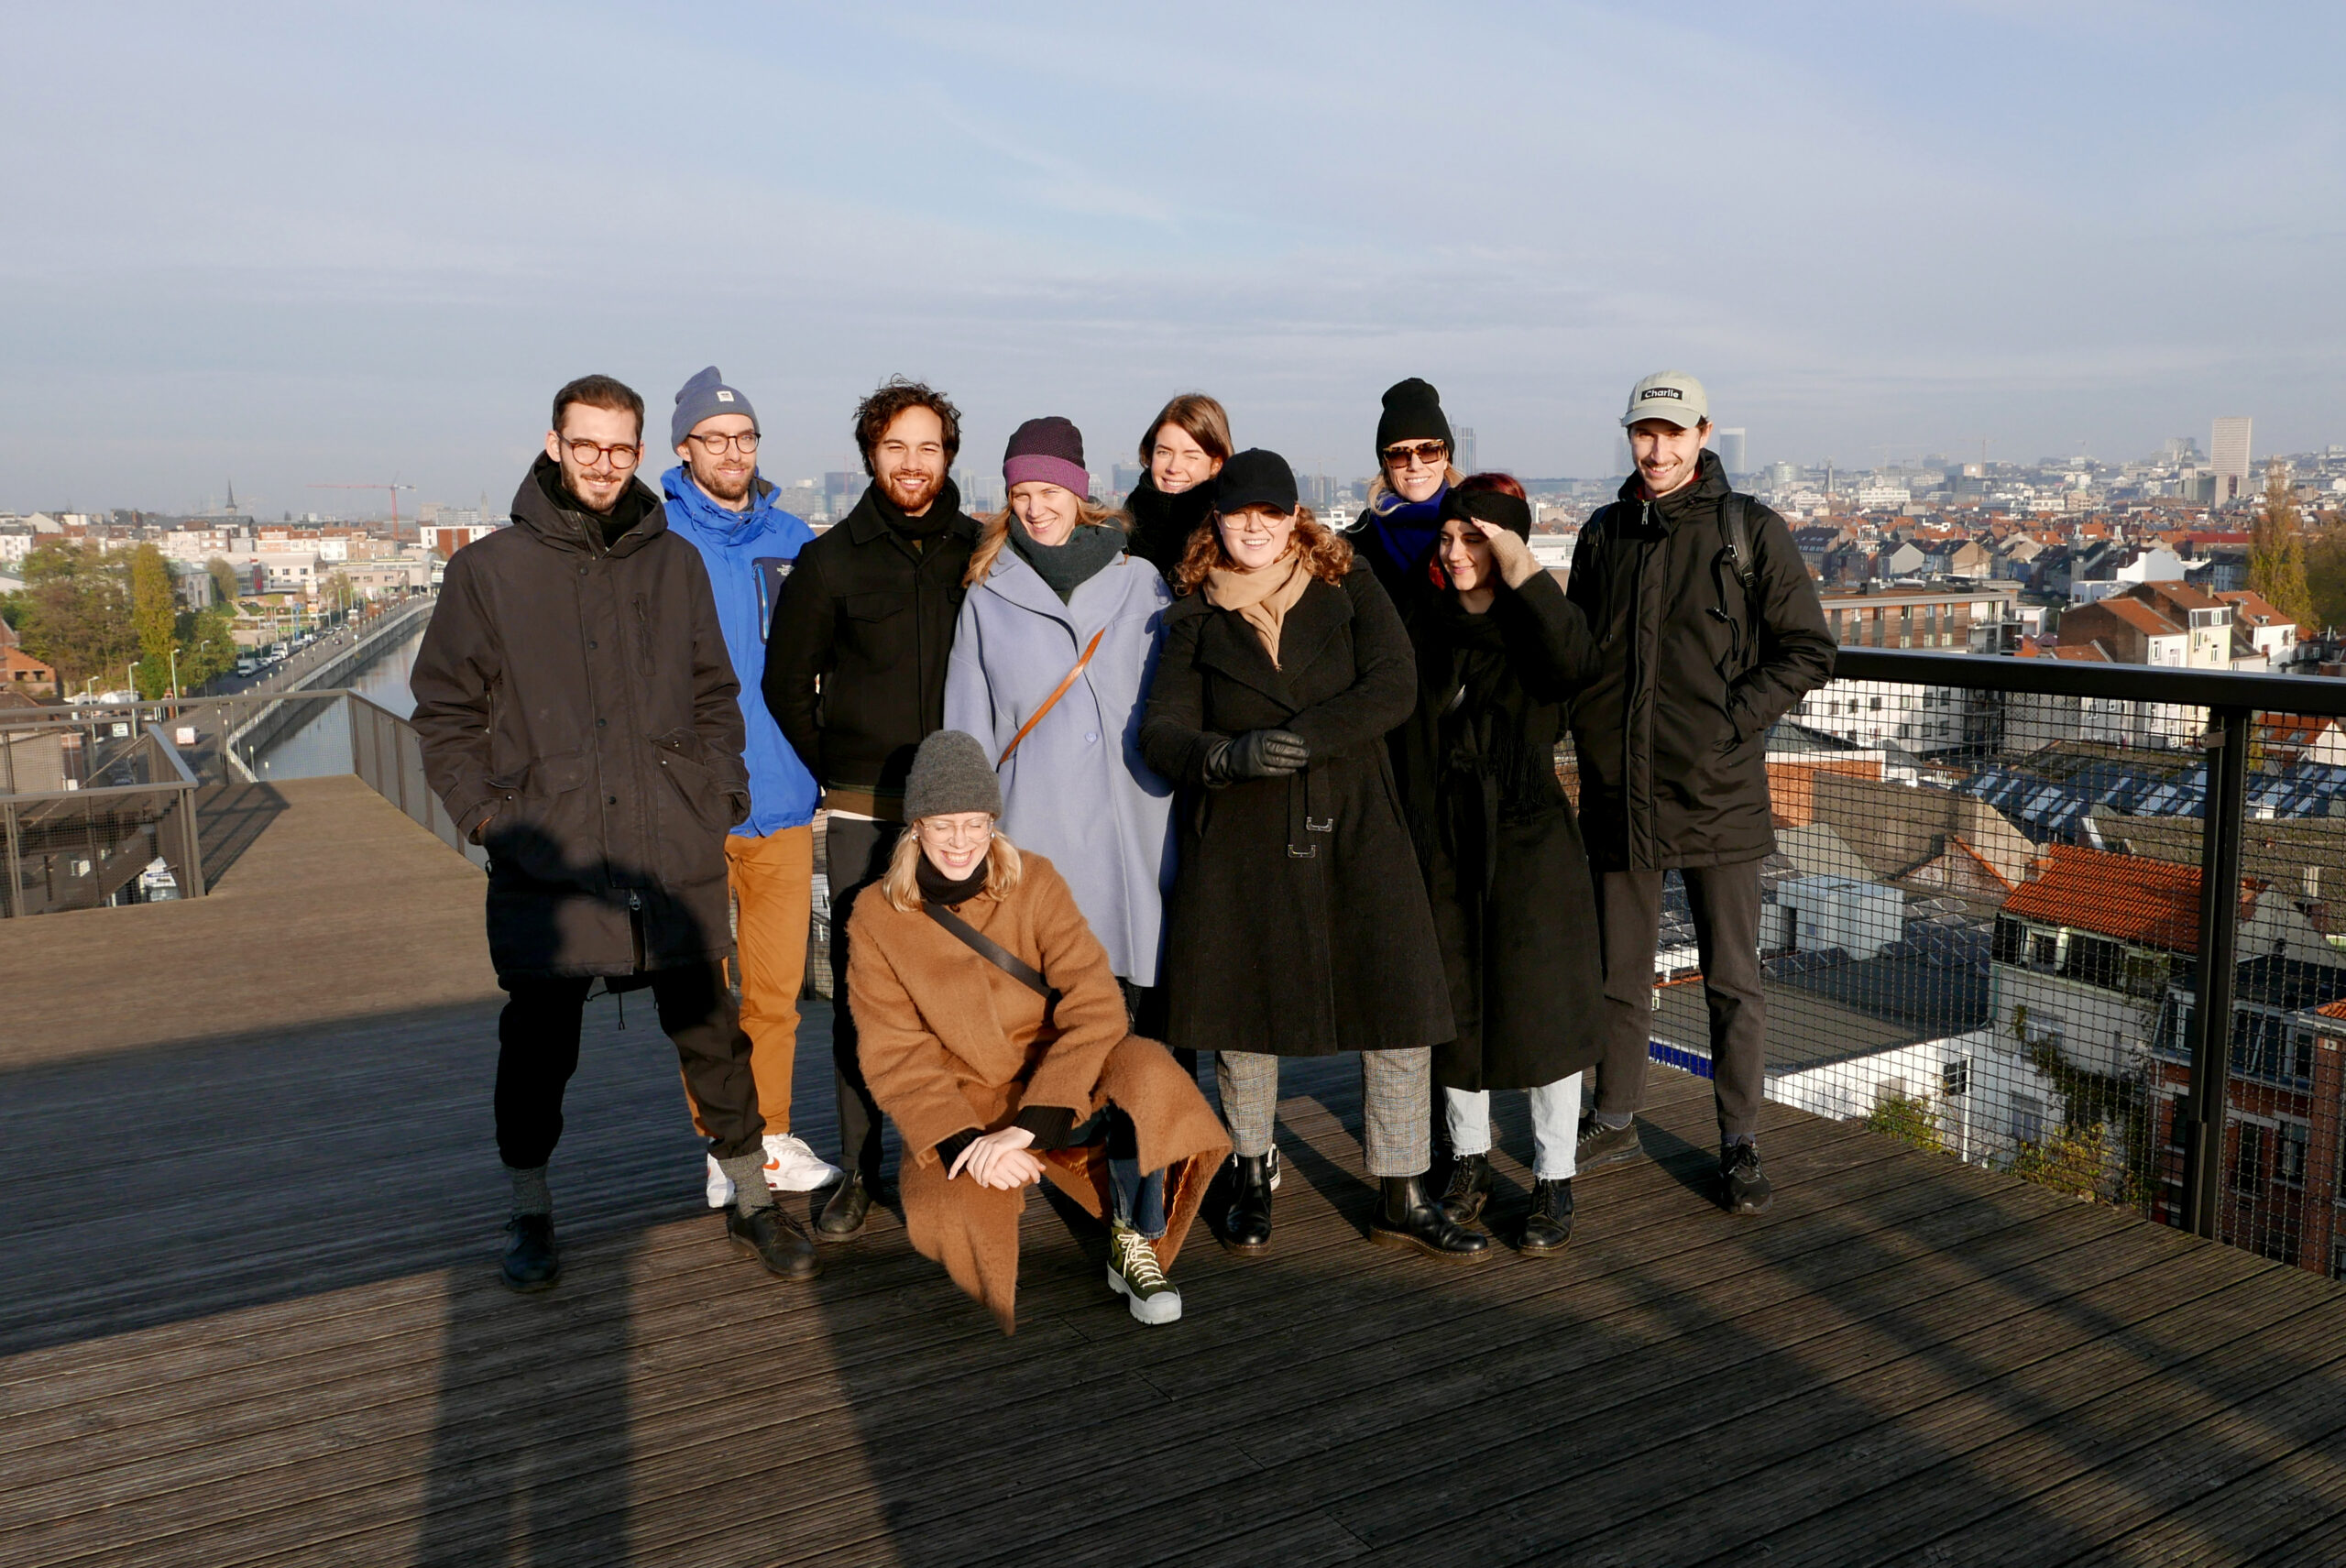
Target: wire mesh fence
x,y
1982,935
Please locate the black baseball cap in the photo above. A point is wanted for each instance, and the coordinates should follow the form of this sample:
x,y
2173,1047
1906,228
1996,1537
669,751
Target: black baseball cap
x,y
1254,479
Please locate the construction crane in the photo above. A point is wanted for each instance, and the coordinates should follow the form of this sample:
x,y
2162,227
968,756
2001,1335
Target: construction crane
x,y
395,488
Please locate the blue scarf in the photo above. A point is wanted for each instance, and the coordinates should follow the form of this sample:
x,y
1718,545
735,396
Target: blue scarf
x,y
1406,531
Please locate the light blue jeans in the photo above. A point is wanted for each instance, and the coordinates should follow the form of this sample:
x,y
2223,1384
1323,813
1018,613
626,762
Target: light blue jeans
x,y
1555,1124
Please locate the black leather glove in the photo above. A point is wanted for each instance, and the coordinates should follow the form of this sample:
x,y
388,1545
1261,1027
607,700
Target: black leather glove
x,y
1258,754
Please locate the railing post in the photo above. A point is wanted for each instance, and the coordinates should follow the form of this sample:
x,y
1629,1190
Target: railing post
x,y
2211,1017
16,866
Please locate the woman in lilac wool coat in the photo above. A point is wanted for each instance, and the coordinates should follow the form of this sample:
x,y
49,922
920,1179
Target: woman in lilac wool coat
x,y
1050,574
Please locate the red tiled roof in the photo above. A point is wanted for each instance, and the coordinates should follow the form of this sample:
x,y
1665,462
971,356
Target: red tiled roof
x,y
2132,897
2136,614
2183,593
2333,1009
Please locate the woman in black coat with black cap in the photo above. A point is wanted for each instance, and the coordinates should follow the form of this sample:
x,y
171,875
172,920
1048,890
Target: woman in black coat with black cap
x,y
1299,924
1500,651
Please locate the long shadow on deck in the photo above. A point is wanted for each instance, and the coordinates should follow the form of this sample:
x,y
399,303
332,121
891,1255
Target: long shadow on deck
x,y
1906,1360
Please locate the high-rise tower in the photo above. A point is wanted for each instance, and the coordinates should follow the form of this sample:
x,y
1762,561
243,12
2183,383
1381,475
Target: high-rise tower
x,y
2228,451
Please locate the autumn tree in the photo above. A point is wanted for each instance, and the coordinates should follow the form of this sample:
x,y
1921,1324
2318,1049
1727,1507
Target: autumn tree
x,y
224,580
2276,551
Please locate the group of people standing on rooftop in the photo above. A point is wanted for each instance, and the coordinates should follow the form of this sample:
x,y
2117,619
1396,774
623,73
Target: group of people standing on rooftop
x,y
1105,791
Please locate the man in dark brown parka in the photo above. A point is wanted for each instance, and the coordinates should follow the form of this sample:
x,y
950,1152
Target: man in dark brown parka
x,y
577,708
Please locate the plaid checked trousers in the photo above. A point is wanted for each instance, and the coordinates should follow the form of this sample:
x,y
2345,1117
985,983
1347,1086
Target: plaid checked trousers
x,y
1395,1096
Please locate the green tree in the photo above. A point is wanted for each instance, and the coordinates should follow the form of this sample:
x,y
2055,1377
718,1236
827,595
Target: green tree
x,y
1909,1119
2276,551
74,613
224,579
207,646
155,615
2326,570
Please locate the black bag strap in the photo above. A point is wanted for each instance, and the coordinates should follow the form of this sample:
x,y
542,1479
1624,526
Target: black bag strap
x,y
1735,521
995,953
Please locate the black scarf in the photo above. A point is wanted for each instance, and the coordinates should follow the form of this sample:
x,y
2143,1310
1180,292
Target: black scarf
x,y
1162,524
918,531
936,887
625,513
1067,567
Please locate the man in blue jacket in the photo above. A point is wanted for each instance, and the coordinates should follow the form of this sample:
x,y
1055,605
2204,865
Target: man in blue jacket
x,y
717,501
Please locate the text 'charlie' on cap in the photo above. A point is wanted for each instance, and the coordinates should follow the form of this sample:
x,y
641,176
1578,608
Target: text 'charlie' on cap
x,y
1673,395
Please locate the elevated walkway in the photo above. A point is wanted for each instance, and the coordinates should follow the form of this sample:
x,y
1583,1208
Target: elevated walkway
x,y
248,1314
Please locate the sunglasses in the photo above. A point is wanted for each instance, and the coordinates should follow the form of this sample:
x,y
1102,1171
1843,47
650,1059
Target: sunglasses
x,y
1423,452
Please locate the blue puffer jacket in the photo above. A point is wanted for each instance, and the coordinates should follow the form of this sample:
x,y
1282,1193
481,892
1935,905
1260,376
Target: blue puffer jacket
x,y
748,554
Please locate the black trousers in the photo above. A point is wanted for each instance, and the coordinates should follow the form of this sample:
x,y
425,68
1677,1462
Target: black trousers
x,y
855,855
1725,904
537,1051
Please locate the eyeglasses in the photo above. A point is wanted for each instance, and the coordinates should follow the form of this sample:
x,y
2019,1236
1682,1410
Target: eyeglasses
x,y
713,444
586,453
1424,452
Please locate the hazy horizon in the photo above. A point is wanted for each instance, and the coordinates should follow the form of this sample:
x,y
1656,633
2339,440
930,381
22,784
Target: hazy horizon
x,y
291,248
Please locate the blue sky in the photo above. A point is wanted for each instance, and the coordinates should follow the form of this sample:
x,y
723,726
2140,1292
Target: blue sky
x,y
300,244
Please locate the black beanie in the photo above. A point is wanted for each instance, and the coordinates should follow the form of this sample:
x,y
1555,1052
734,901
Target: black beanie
x,y
1412,412
1494,507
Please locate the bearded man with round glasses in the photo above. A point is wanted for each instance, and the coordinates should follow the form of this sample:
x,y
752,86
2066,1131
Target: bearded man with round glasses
x,y
580,721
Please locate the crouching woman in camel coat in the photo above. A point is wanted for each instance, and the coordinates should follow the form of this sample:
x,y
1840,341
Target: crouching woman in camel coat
x,y
994,1036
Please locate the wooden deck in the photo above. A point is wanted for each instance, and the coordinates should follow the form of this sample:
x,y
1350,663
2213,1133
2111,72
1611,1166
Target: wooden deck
x,y
248,1314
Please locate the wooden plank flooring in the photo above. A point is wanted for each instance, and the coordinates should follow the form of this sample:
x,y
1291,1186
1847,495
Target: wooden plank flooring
x,y
248,1314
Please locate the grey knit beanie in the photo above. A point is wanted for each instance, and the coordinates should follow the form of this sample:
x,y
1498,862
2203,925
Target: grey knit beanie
x,y
705,396
952,774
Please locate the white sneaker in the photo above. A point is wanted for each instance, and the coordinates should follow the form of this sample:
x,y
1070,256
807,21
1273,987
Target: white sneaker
x,y
720,1185
792,1166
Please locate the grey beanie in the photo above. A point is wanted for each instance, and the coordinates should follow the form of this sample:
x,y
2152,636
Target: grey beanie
x,y
705,396
950,774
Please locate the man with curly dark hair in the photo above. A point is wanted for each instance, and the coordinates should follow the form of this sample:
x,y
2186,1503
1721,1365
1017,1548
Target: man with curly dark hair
x,y
855,675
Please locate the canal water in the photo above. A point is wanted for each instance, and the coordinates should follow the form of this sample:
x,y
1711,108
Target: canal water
x,y
323,745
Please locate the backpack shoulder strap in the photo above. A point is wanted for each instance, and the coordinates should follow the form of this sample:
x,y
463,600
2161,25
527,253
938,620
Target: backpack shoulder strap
x,y
1735,522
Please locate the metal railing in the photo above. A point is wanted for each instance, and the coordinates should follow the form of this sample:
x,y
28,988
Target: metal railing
x,y
92,797
2067,919
94,811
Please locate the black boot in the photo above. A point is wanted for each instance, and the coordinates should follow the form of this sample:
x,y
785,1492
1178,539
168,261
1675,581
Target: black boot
x,y
846,1212
776,1239
1550,1224
1409,1218
1469,1188
1247,1229
531,1263
1743,1186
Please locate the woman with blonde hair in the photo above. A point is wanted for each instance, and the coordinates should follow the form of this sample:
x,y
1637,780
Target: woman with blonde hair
x,y
1182,450
1398,531
994,1036
1052,654
1299,923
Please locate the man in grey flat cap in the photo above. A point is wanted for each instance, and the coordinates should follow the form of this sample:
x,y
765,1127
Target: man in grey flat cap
x,y
1711,631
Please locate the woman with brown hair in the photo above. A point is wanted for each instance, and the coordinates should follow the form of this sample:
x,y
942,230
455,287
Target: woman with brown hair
x,y
1500,651
1299,925
994,1036
1183,450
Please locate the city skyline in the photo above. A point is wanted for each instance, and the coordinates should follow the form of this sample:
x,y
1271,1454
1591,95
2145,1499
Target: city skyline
x,y
302,250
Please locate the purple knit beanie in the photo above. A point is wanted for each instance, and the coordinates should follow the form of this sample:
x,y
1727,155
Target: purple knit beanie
x,y
1050,450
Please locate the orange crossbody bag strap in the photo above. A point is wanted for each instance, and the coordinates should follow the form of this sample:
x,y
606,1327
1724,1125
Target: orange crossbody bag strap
x,y
1052,701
